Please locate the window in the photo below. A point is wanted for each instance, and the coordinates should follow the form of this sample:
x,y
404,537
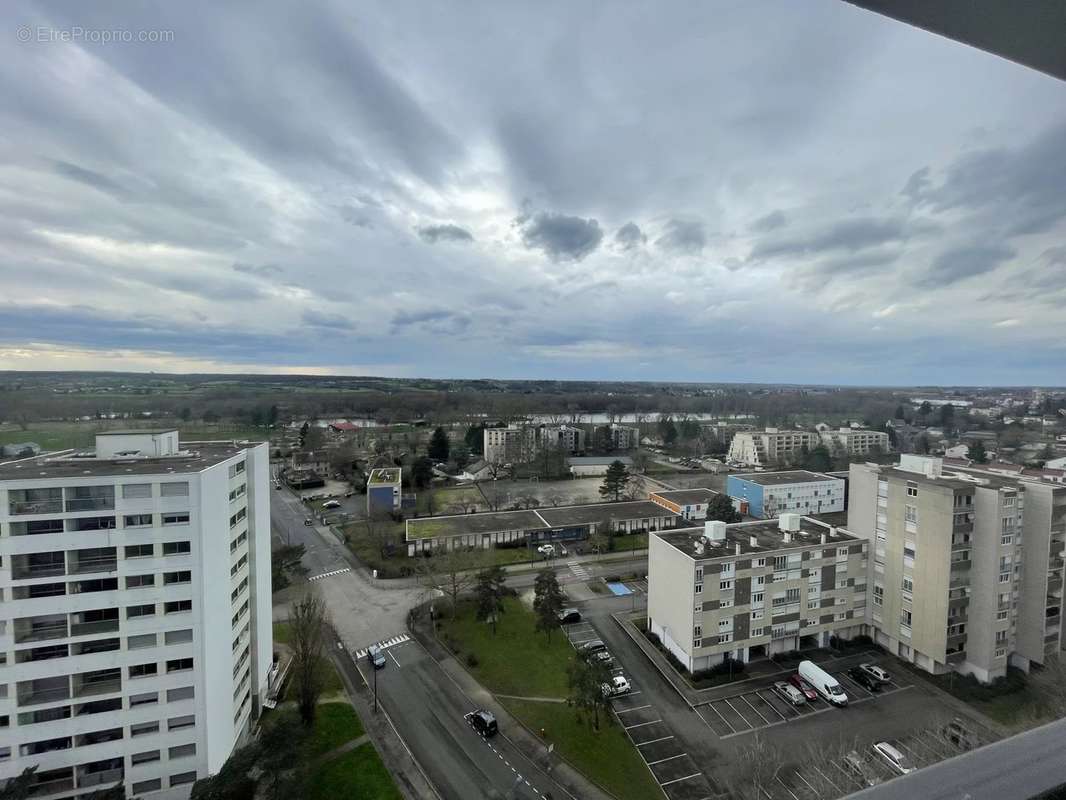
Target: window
x,y
144,758
725,638
184,693
759,581
181,751
179,664
140,642
147,610
725,602
912,489
905,618
176,519
177,723
132,491
697,631
137,521
145,699
1002,615
697,643
1001,637
1004,577
1000,652
725,624
236,469
178,637
813,604
907,584
1006,539
176,548
910,513
760,562
756,632
699,574
842,584
143,670
238,492
728,569
699,588
184,576
174,489
757,599
842,615
177,606
143,728
139,551
143,787
137,581
757,614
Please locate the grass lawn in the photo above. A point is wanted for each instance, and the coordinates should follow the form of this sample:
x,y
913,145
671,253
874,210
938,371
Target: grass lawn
x,y
331,682
64,435
452,501
335,724
358,774
517,660
282,632
606,756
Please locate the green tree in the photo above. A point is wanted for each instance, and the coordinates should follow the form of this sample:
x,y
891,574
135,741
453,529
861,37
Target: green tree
x,y
720,508
439,446
475,439
489,592
18,788
947,416
900,412
422,472
921,444
602,440
586,679
925,409
285,562
461,455
977,452
232,782
548,600
272,416
282,759
307,620
303,433
667,429
615,481
186,414
688,430
818,459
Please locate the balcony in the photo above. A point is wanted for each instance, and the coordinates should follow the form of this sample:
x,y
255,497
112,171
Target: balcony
x,y
27,569
98,778
19,507
33,696
99,626
28,631
91,498
955,657
93,563
961,564
97,686
44,788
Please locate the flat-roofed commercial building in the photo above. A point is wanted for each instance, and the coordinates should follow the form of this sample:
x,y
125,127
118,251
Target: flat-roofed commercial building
x,y
688,503
966,565
767,494
136,622
752,589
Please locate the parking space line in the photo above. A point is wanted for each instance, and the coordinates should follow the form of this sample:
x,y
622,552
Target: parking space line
x,y
753,708
627,710
641,724
750,726
851,778
652,741
686,778
809,786
918,759
668,758
719,713
828,780
785,785
759,692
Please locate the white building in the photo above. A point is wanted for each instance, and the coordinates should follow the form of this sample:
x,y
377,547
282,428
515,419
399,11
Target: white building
x,y
770,447
856,441
595,466
136,626
770,494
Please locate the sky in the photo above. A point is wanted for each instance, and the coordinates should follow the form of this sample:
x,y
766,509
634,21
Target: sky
x,y
696,191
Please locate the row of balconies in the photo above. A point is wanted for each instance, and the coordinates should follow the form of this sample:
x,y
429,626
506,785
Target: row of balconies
x,y
66,687
27,566
62,626
57,500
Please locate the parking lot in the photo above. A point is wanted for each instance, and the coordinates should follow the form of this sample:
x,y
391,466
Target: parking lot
x,y
672,767
761,707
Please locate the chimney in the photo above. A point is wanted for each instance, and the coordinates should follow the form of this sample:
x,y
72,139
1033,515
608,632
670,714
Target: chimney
x,y
824,538
714,531
754,540
738,548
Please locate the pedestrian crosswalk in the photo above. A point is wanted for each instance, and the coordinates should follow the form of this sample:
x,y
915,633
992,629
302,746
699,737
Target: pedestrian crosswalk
x,y
329,574
384,644
579,570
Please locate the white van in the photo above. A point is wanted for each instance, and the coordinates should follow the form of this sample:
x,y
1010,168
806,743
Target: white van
x,y
824,683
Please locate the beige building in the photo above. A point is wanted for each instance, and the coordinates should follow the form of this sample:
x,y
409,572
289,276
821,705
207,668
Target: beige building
x,y
515,445
855,441
770,447
967,566
754,588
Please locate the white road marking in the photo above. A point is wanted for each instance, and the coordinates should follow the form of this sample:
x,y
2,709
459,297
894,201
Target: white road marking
x,y
719,713
652,741
329,574
385,644
641,724
668,758
627,710
686,778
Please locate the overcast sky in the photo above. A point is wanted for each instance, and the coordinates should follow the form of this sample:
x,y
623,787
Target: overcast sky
x,y
716,191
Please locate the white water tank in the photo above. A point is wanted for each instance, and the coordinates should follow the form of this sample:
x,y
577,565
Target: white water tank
x,y
789,522
714,531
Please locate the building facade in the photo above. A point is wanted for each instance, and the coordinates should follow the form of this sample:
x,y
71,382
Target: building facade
x,y
384,490
770,447
686,503
507,445
624,437
855,441
753,589
966,566
136,629
768,494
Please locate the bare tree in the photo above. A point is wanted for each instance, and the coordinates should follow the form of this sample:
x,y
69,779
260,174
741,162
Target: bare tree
x,y
757,765
451,572
307,619
380,530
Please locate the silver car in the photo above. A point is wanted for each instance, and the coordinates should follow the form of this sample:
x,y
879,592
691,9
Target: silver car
x,y
790,693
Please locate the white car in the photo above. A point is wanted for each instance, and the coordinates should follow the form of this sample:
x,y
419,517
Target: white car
x,y
894,758
790,693
602,656
331,504
616,686
876,672
546,550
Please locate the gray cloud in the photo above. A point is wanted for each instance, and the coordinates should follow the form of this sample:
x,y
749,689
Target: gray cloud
x,y
92,179
630,236
444,233
438,320
770,222
561,237
319,319
850,235
683,236
960,263
259,270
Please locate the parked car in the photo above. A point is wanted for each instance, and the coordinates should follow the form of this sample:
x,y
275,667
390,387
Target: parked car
x,y
331,504
959,735
308,521
894,758
854,764
591,646
600,655
824,683
484,722
616,686
376,656
875,672
808,691
546,550
864,679
790,693
568,615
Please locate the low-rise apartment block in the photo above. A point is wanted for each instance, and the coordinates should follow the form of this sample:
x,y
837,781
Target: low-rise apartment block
x,y
768,494
687,503
966,565
135,634
856,441
754,589
624,437
771,447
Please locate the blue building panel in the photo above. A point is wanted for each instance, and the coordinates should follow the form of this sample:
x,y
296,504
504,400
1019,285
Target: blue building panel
x,y
742,489
380,497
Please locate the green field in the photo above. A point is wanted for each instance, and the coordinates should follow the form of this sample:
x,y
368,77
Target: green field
x,y
356,774
66,435
606,756
335,724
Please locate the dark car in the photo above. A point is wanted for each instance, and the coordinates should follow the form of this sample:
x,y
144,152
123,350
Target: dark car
x,y
484,722
864,679
568,615
803,686
376,656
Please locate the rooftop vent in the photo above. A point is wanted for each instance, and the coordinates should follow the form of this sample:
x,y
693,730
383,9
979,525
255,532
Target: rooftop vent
x,y
789,522
753,540
698,547
714,531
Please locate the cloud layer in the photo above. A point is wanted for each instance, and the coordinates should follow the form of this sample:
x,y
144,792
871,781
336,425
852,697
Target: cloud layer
x,y
530,193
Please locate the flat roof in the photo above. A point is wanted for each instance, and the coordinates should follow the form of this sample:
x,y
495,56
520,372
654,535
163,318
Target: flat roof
x,y
783,478
459,524
768,538
196,456
581,515
687,497
137,431
920,477
384,475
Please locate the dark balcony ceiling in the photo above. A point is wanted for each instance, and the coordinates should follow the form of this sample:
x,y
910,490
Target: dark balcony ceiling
x,y
1028,32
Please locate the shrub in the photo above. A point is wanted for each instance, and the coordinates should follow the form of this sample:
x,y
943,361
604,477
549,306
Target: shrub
x,y
654,638
471,660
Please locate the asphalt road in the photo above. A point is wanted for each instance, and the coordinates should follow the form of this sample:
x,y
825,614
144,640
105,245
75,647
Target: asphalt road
x,y
429,712
1022,766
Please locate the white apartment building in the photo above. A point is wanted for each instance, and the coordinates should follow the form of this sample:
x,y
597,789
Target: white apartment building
x,y
135,637
514,445
754,589
856,441
967,565
624,437
770,447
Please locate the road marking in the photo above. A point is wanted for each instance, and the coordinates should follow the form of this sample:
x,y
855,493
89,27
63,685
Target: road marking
x,y
384,644
579,570
329,574
392,655
641,724
686,778
778,779
668,758
742,717
653,741
757,711
719,713
627,710
759,692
